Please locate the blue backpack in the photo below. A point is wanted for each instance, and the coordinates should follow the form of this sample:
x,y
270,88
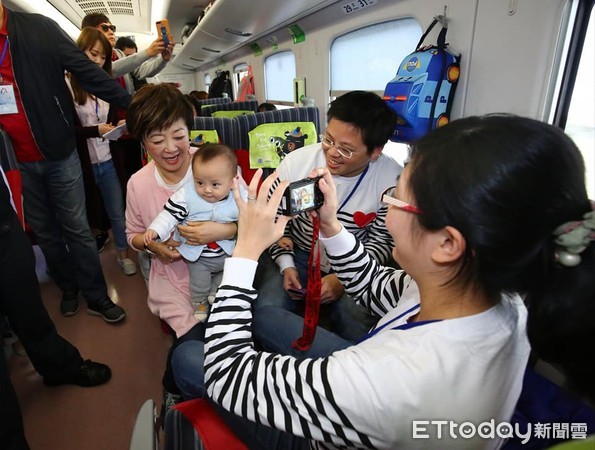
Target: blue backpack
x,y
422,91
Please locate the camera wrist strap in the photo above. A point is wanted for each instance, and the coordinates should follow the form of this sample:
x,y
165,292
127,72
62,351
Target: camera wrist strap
x,y
312,292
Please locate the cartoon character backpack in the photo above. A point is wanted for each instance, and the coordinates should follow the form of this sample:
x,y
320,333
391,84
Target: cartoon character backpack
x,y
422,91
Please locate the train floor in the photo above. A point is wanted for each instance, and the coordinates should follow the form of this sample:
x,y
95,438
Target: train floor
x,y
98,418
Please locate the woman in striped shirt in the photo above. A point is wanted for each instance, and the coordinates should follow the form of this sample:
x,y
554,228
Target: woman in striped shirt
x,y
472,218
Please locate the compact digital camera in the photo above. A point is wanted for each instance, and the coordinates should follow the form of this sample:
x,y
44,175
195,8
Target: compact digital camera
x,y
301,196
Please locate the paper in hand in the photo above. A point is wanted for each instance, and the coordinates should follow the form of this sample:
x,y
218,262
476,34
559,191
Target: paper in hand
x,y
116,133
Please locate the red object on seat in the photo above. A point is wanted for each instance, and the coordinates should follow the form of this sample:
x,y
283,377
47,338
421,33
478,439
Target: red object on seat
x,y
213,432
244,163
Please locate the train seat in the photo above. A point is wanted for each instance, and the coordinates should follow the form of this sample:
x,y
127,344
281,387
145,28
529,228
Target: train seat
x,y
194,424
247,105
214,101
544,400
247,123
227,129
235,132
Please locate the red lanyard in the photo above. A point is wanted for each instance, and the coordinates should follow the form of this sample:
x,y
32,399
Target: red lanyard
x,y
314,283
312,292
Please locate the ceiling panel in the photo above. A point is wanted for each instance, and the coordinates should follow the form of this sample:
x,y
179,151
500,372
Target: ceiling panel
x,y
127,15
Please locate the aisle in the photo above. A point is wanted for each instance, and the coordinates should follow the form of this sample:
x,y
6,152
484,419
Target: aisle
x,y
100,418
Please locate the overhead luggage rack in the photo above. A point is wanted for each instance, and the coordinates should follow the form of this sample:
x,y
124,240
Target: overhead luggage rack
x,y
230,24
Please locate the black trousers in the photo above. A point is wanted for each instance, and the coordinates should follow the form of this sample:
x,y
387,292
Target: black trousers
x,y
20,302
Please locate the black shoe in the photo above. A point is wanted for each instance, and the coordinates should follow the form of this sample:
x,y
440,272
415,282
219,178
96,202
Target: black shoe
x,y
69,305
107,309
102,238
90,373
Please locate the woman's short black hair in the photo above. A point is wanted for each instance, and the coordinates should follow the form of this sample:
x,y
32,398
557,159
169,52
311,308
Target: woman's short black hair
x,y
506,183
155,107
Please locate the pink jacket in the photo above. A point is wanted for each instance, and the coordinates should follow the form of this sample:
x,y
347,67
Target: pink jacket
x,y
169,290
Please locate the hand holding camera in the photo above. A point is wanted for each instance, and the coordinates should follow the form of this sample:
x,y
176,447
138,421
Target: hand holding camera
x,y
258,226
301,196
329,224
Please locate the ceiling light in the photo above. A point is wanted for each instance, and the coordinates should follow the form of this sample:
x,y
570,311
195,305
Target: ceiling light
x,y
237,32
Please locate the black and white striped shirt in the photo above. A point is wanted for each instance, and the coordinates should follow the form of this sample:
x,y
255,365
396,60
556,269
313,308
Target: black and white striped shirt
x,y
368,395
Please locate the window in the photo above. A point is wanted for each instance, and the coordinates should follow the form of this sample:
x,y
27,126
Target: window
x,y
239,72
207,81
575,110
279,72
368,58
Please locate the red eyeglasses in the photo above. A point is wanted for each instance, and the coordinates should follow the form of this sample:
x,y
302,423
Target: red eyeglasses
x,y
387,198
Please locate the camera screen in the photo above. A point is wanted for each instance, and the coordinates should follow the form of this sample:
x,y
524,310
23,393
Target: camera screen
x,y
303,197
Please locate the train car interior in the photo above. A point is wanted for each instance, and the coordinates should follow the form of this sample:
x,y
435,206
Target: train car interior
x,y
531,58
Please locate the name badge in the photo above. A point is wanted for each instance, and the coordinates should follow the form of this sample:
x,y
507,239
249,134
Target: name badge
x,y
8,102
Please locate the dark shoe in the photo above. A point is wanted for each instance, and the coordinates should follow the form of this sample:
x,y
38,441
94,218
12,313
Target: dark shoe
x,y
90,373
107,309
69,305
101,239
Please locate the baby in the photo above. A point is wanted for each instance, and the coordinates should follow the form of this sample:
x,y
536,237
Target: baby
x,y
206,198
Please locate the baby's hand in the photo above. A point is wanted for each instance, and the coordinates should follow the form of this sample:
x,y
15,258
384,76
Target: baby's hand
x,y
149,235
285,243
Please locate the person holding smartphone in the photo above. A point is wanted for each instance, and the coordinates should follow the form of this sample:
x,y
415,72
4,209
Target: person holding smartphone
x,y
126,151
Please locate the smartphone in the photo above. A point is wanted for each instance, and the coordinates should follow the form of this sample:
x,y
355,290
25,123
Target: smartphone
x,y
164,31
300,292
301,196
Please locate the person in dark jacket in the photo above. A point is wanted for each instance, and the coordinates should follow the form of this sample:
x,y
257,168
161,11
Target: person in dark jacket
x,y
42,133
54,358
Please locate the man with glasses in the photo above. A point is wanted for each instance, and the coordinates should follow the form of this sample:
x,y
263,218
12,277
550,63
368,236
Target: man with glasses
x,y
359,124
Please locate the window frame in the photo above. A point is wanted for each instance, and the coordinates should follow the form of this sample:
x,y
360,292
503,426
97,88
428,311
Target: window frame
x,y
573,59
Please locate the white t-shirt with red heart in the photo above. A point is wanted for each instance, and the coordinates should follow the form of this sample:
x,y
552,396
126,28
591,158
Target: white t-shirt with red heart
x,y
362,214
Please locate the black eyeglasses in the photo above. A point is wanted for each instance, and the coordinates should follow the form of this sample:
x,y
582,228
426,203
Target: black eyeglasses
x,y
106,27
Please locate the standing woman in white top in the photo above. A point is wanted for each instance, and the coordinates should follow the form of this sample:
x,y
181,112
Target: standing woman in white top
x,y
92,113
